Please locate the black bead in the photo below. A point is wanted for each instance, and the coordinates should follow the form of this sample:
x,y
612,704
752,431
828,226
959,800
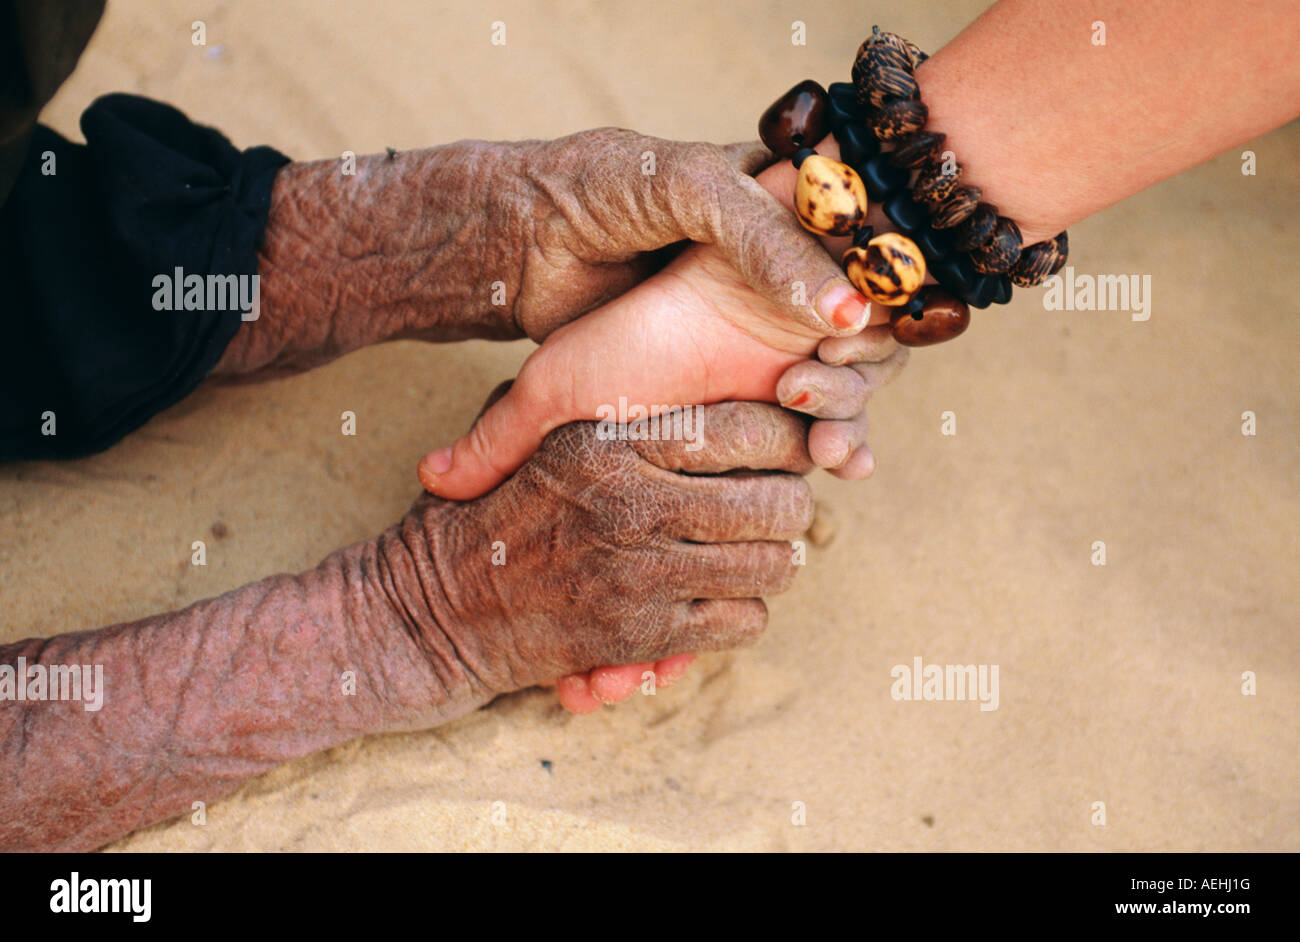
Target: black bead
x,y
907,214
935,244
857,144
862,236
842,108
956,273
802,154
1004,290
882,178
984,291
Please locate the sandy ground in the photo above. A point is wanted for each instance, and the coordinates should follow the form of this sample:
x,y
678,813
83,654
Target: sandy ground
x,y
1119,684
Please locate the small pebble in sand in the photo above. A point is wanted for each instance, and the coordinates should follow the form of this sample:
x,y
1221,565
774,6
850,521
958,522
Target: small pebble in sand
x,y
822,531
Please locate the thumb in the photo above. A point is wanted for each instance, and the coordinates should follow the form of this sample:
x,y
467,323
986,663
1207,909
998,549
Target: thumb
x,y
784,263
508,431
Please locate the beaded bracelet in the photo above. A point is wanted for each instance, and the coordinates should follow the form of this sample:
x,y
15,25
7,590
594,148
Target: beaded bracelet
x,y
939,220
886,90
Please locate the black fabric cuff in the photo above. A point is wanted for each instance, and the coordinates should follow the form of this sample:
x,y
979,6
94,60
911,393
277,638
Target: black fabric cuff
x,y
82,252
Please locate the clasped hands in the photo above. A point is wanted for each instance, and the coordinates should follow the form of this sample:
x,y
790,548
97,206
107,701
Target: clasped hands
x,y
754,311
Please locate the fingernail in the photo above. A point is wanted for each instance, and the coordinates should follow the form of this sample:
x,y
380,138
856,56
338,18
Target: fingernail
x,y
842,306
804,399
440,460
431,466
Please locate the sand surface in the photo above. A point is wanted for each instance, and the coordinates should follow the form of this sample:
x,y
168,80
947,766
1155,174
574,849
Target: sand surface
x,y
1119,684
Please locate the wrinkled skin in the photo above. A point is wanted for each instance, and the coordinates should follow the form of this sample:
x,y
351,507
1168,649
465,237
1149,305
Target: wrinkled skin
x,y
610,559
593,210
695,332
510,239
415,246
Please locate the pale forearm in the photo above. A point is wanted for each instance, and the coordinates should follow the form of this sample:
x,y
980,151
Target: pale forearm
x,y
196,702
1054,128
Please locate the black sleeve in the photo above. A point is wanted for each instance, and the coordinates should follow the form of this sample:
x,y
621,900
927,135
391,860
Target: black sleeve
x,y
90,345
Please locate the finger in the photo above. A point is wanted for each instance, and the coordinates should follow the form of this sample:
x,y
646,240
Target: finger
x,y
784,263
881,374
670,669
832,442
495,396
575,694
736,570
739,508
871,345
616,684
749,157
763,241
827,392
505,435
861,465
721,624
731,435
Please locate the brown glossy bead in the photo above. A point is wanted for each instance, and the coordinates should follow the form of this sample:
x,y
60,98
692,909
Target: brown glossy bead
x,y
829,197
977,229
796,119
957,208
889,270
898,119
917,149
997,255
934,185
942,317
889,83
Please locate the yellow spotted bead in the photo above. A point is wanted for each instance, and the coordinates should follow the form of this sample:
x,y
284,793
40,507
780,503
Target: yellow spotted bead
x,y
829,198
889,270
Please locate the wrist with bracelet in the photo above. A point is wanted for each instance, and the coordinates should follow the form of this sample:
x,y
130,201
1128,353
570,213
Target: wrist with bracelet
x,y
889,156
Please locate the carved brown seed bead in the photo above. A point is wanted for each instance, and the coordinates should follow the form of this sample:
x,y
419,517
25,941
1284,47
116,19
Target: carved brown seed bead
x,y
1040,261
881,49
1035,264
942,317
957,208
796,119
888,40
916,149
898,119
889,83
977,229
914,53
934,184
872,57
997,255
888,270
829,197
1062,252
